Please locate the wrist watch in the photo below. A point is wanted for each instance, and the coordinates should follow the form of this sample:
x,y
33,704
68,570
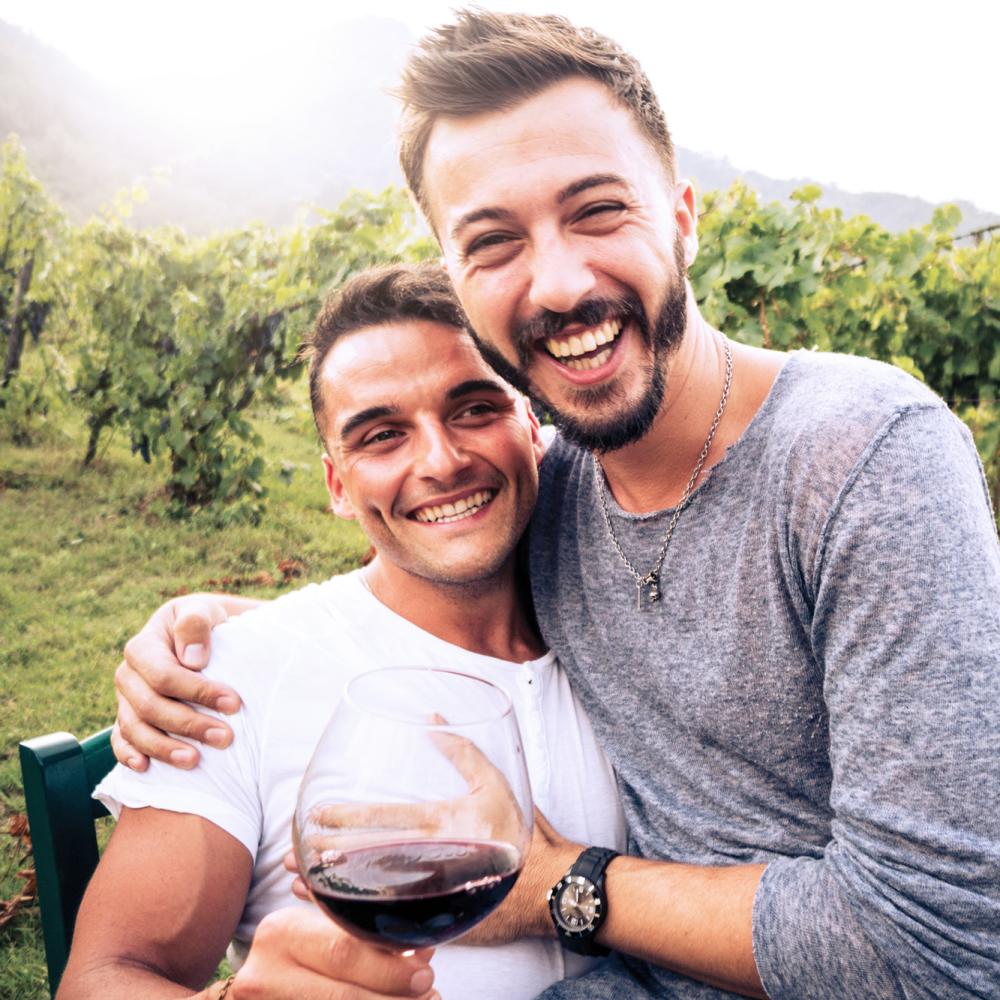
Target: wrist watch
x,y
578,904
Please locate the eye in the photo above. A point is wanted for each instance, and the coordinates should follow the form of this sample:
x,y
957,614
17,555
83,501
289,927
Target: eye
x,y
383,436
600,212
491,248
476,411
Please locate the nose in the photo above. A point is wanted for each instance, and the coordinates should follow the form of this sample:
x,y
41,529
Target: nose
x,y
560,276
440,455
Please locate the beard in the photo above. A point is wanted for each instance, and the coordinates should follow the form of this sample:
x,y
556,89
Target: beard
x,y
631,421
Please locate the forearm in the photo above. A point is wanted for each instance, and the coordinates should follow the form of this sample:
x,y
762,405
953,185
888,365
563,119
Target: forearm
x,y
123,978
691,919
694,920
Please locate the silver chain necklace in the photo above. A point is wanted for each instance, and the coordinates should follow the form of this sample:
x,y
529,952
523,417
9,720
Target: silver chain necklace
x,y
648,586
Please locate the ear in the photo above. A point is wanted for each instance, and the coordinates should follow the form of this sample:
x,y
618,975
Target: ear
x,y
686,217
537,441
340,502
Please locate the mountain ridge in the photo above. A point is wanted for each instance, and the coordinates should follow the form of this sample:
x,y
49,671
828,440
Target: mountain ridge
x,y
330,129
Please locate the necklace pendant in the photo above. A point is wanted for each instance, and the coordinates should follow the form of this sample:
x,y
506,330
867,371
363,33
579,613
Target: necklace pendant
x,y
647,591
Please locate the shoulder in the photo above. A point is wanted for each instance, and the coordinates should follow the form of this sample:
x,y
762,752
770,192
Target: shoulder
x,y
251,648
827,413
304,609
868,455
839,395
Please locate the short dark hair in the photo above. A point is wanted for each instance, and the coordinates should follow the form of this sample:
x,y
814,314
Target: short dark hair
x,y
489,61
389,294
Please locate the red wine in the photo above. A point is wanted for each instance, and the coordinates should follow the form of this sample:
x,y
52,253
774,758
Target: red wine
x,y
415,894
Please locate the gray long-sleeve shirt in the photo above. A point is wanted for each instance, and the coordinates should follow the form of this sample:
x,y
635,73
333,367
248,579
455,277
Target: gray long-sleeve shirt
x,y
819,687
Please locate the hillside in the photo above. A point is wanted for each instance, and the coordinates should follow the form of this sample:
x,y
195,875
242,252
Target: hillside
x,y
310,139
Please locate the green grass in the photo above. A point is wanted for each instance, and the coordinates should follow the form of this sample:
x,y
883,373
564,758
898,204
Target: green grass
x,y
83,562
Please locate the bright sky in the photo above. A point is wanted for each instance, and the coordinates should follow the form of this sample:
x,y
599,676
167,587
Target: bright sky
x,y
877,95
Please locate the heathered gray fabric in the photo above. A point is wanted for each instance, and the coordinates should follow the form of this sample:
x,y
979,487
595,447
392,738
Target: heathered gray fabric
x,y
818,689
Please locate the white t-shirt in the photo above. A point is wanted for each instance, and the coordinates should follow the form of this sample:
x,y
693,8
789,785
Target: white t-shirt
x,y
290,660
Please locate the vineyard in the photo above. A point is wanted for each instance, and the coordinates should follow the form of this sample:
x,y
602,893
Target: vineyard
x,y
168,340
151,393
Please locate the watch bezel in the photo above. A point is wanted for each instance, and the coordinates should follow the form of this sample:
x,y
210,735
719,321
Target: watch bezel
x,y
595,893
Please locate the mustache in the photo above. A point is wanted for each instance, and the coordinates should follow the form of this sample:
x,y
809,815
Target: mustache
x,y
591,312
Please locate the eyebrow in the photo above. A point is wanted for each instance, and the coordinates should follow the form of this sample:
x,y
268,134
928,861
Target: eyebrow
x,y
366,416
493,213
475,385
586,183
497,214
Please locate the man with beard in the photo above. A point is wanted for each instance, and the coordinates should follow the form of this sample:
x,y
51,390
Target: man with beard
x,y
774,580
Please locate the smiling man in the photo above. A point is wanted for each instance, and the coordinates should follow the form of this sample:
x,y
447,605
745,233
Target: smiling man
x,y
773,580
439,465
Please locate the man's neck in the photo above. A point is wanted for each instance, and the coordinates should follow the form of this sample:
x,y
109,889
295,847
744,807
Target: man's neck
x,y
653,473
485,616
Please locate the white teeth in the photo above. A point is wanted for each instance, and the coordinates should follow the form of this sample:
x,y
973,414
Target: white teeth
x,y
579,344
448,512
586,364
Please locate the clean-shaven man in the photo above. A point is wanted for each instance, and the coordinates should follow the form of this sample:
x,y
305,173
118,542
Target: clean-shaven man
x,y
774,580
438,464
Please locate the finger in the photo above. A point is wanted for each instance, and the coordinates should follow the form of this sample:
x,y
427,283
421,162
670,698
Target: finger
x,y
150,668
153,742
148,708
469,760
193,621
125,753
361,819
320,946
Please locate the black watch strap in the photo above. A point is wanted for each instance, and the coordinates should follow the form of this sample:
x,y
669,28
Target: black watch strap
x,y
592,863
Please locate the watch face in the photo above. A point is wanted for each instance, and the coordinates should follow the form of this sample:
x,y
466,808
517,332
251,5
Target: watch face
x,y
576,905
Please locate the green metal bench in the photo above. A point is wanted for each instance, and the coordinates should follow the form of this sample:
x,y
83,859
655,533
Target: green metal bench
x,y
59,773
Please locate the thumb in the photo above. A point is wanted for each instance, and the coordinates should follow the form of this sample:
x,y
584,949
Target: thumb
x,y
194,620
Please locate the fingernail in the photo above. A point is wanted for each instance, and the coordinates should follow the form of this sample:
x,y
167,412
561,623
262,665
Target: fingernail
x,y
135,763
182,758
193,655
421,981
227,704
217,737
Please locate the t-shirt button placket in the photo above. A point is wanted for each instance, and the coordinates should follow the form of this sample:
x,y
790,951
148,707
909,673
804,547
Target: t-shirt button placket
x,y
535,733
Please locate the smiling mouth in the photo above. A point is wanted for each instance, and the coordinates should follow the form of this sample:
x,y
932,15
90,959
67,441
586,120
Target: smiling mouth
x,y
446,513
585,350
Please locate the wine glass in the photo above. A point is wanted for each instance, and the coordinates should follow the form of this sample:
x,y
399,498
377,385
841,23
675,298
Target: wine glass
x,y
414,816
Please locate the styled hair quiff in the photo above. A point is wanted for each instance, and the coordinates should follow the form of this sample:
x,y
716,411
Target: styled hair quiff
x,y
393,293
489,61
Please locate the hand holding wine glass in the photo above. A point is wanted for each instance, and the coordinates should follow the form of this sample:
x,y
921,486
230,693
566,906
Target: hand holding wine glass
x,y
414,817
294,956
